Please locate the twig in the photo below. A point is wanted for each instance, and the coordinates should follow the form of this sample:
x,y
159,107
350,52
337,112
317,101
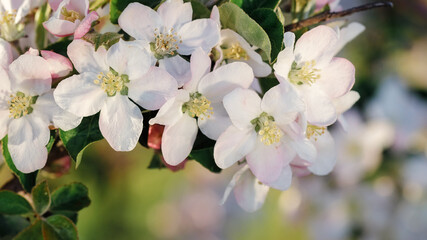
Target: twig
x,y
327,15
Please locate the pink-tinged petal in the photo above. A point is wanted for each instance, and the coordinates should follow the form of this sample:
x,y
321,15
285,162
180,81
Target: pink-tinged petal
x,y
82,54
286,57
85,25
140,21
250,194
80,6
326,155
59,65
266,161
79,95
121,123
317,44
216,124
260,68
175,13
202,33
300,171
215,15
304,148
4,122
130,59
178,67
6,56
22,7
59,27
320,109
30,74
345,102
337,78
242,105
200,65
178,140
54,4
283,103
32,51
171,111
27,139
347,34
153,89
215,85
233,182
233,145
284,181
5,84
155,133
174,168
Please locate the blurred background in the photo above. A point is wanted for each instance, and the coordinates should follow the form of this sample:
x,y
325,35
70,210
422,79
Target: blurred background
x,y
378,189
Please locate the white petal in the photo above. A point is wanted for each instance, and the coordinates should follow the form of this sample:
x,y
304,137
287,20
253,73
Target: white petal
x,y
346,101
4,122
79,95
171,111
6,56
120,123
347,34
243,105
153,89
84,57
260,68
5,83
215,85
337,78
202,33
284,181
175,13
27,139
127,58
286,57
233,182
140,21
200,65
320,109
233,145
178,67
250,194
178,140
216,124
326,155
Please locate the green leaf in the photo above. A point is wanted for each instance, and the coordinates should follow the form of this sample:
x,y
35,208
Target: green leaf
x,y
13,204
156,162
27,180
251,5
79,138
117,7
106,39
267,83
60,46
199,10
59,227
269,21
97,4
71,197
236,19
33,232
11,225
42,15
41,197
205,157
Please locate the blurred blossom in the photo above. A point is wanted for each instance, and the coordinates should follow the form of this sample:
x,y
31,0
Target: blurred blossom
x,y
415,179
410,221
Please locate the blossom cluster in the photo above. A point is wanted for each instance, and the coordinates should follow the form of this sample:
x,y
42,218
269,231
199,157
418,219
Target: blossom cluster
x,y
195,76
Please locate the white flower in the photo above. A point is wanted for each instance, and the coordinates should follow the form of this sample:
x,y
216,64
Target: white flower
x,y
170,32
265,132
27,108
11,14
106,81
318,77
200,98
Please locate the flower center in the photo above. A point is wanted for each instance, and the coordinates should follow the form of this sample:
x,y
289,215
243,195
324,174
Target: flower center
x,y
305,74
70,15
235,52
8,17
20,105
198,106
9,30
267,129
165,43
112,83
314,131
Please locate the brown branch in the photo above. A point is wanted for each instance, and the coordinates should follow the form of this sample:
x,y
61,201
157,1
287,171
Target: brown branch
x,y
327,15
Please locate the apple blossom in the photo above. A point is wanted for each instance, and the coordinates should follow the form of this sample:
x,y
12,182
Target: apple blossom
x,y
199,105
106,81
11,14
261,128
70,17
313,71
27,109
59,66
170,31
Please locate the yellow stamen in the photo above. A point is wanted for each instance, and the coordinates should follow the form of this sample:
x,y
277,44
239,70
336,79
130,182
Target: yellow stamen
x,y
198,106
235,52
70,15
8,17
20,105
165,43
305,74
112,83
267,129
314,131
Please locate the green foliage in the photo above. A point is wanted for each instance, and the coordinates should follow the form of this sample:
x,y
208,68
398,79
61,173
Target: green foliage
x,y
13,204
107,39
41,197
11,225
199,10
205,158
61,227
41,16
79,138
72,197
156,162
117,7
251,5
60,47
33,232
235,18
267,83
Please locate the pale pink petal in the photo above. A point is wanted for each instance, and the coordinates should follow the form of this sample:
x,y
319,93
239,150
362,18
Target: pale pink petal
x,y
54,4
215,15
216,124
345,102
326,155
4,122
59,65
121,123
6,56
140,21
242,105
59,27
215,85
85,25
233,182
233,145
175,13
320,109
250,194
178,140
284,181
337,78
200,64
286,57
178,67
202,33
153,89
347,34
5,84
32,51
82,54
171,111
